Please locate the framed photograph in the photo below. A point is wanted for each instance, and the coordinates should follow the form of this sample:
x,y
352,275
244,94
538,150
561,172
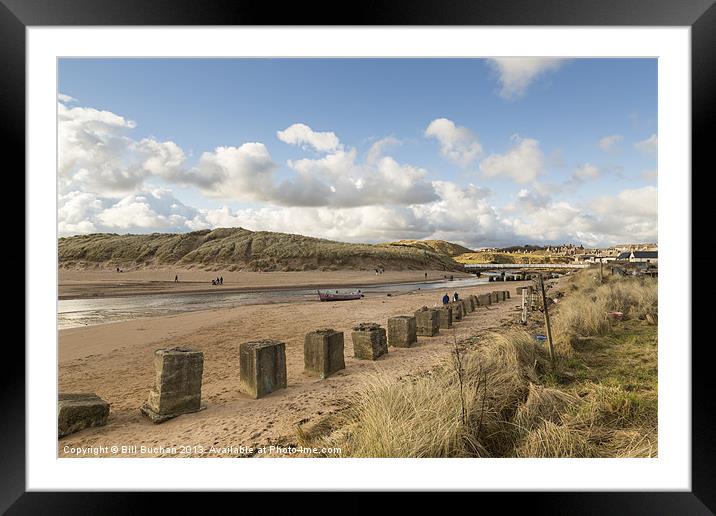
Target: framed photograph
x,y
413,250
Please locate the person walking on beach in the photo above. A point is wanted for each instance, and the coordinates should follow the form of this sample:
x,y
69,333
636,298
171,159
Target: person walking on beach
x,y
221,280
426,275
446,299
176,278
455,296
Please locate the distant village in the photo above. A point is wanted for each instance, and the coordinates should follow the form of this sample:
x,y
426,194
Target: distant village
x,y
631,253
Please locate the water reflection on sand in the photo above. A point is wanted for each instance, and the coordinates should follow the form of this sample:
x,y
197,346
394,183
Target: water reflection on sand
x,y
74,313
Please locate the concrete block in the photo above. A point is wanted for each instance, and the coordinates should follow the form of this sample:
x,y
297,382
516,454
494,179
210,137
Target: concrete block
x,y
262,367
445,317
484,300
369,341
456,310
402,331
177,384
494,297
323,353
78,411
427,322
506,293
466,307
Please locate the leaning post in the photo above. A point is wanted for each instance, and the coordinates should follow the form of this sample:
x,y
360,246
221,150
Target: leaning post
x,y
546,320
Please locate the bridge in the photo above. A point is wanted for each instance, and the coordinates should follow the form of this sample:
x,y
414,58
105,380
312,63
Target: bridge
x,y
491,266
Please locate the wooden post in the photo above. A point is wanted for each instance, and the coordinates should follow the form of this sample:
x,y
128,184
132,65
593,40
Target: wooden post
x,y
524,306
546,320
601,273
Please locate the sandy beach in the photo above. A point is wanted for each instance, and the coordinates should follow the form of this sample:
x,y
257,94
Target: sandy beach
x,y
75,284
115,362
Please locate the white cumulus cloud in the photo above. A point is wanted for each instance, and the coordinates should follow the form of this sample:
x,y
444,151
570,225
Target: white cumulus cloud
x,y
244,172
516,74
376,150
458,144
142,212
65,99
522,163
303,135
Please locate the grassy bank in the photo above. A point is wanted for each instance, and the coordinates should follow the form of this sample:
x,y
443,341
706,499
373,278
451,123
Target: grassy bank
x,y
502,257
238,249
499,395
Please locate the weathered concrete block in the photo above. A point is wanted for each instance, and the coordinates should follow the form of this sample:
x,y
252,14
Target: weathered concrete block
x,y
445,317
456,310
506,293
402,331
427,322
177,384
473,300
484,300
323,353
369,341
262,367
494,297
78,411
466,307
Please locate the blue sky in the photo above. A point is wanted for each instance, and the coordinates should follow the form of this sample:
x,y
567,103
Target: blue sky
x,y
528,151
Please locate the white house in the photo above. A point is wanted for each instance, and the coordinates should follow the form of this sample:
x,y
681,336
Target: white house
x,y
651,257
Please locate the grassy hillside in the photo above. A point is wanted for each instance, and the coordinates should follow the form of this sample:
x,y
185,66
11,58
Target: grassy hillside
x,y
237,249
498,257
436,246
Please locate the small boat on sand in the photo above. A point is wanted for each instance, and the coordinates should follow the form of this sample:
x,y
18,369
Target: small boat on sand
x,y
334,295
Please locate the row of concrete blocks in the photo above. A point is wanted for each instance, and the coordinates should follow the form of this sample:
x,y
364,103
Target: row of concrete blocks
x,y
262,364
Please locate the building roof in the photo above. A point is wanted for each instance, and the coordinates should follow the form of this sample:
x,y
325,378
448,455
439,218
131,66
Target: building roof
x,y
624,256
645,254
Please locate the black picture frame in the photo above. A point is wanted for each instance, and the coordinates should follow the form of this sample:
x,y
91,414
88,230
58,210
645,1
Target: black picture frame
x,y
700,15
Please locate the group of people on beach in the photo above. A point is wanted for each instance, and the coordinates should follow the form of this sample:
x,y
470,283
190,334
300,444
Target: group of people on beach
x,y
446,298
379,270
218,281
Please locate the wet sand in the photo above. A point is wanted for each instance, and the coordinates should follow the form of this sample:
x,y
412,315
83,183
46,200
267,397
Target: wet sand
x,y
115,362
74,284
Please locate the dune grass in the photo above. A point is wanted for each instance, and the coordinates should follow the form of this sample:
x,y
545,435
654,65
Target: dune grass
x,y
498,395
585,312
436,246
459,410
